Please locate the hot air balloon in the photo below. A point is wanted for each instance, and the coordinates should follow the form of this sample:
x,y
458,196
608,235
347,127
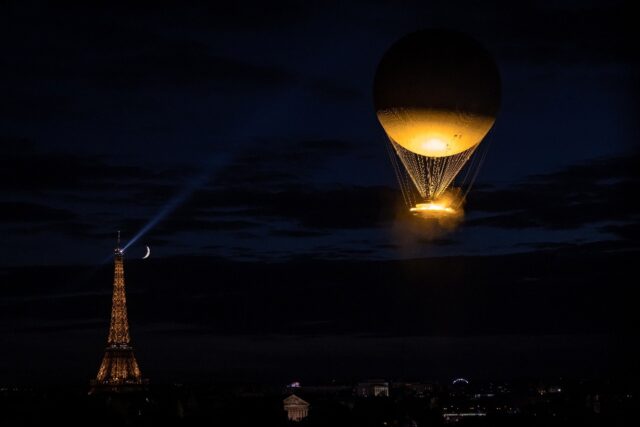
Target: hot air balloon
x,y
436,94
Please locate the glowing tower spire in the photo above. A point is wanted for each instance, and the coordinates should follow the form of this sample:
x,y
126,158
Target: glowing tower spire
x,y
119,369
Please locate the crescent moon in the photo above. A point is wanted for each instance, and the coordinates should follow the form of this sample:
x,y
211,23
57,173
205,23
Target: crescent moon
x,y
147,254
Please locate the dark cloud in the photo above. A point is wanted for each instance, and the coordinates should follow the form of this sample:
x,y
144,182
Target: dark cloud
x,y
27,168
30,104
188,66
335,90
596,192
250,190
184,223
310,212
580,247
126,54
75,229
28,219
297,233
314,208
203,16
269,164
426,297
624,231
19,212
75,194
550,33
564,34
438,241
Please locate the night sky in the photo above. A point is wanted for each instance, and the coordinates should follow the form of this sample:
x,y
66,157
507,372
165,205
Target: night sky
x,y
283,250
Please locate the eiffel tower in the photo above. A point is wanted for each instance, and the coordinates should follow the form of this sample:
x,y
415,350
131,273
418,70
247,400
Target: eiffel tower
x,y
119,369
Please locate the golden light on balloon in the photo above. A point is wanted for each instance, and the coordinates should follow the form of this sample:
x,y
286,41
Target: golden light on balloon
x,y
436,94
434,133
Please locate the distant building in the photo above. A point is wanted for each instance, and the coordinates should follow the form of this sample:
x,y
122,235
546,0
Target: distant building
x,y
457,416
373,388
297,408
323,390
551,389
593,403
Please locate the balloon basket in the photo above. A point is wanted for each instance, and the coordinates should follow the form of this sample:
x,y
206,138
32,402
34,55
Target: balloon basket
x,y
432,209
